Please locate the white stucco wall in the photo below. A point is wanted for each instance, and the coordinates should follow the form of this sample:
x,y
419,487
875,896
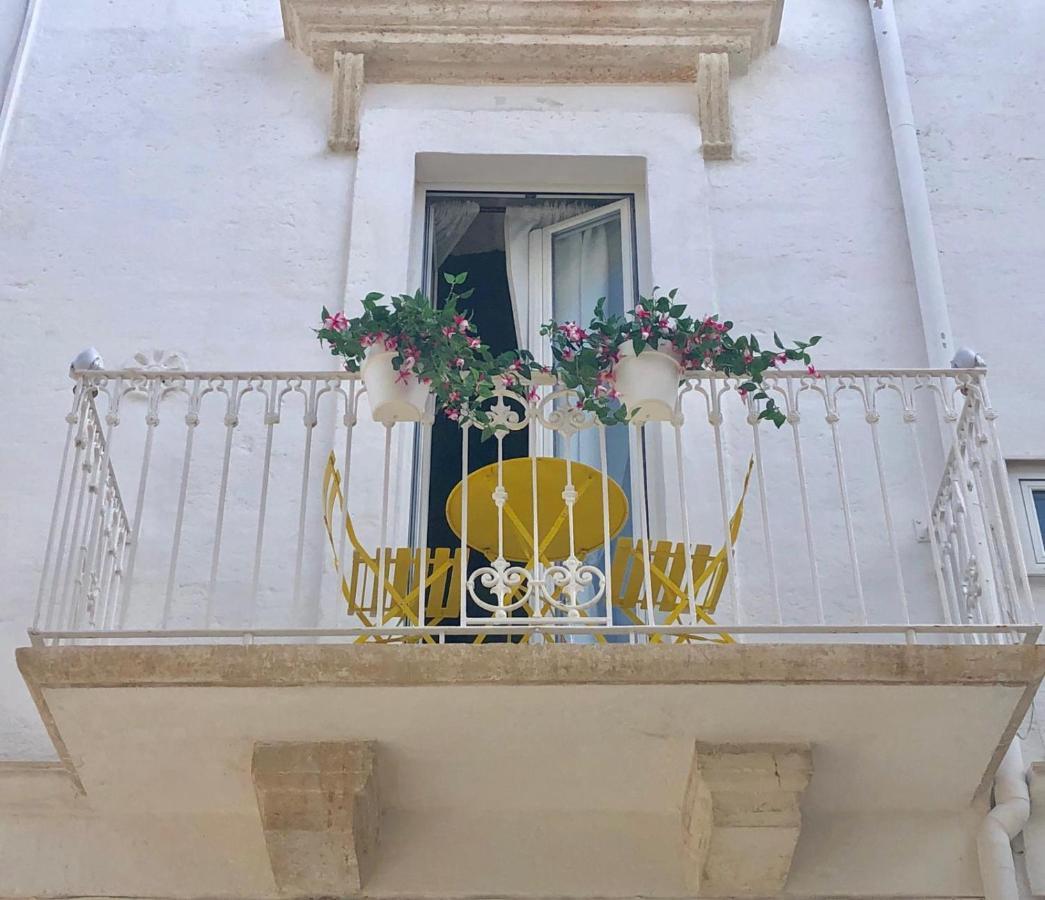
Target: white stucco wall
x,y
166,184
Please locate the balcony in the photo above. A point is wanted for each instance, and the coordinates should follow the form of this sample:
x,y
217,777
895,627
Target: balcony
x,y
214,506
740,659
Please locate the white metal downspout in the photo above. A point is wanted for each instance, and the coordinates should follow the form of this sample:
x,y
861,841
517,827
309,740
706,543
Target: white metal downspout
x,y
921,236
1003,823
1011,794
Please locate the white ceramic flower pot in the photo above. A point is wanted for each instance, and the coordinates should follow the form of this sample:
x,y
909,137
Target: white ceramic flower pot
x,y
648,383
392,399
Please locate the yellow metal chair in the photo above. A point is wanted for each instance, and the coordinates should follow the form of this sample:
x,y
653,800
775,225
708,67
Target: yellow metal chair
x,y
667,569
363,585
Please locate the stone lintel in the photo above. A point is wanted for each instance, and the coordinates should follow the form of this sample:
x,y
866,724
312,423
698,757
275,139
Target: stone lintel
x,y
716,127
345,102
741,817
320,814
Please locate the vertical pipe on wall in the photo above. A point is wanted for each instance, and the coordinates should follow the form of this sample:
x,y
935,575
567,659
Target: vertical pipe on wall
x,y
1005,821
921,236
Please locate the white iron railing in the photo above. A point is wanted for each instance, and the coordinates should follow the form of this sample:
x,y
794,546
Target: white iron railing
x,y
878,512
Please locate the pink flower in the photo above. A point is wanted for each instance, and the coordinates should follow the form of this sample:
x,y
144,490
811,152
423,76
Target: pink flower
x,y
743,394
391,343
646,332
531,395
665,325
567,354
641,312
462,324
448,331
474,343
459,362
573,332
516,365
336,322
452,414
403,377
780,360
509,380
454,396
811,369
748,356
368,340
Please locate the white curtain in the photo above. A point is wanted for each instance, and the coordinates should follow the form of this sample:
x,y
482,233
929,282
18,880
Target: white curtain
x,y
450,220
519,221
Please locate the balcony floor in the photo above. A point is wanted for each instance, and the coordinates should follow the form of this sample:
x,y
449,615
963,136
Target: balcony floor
x,y
543,771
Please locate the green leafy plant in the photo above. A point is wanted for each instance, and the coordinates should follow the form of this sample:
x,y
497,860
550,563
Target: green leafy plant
x,y
585,358
438,346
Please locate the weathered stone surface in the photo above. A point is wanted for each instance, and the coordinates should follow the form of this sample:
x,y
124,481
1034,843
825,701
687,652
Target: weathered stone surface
x,y
287,664
345,102
741,818
716,125
320,813
537,41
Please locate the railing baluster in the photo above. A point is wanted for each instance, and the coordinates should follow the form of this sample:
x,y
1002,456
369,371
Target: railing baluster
x,y
843,490
231,421
272,413
767,537
74,418
309,421
152,420
716,419
192,420
794,418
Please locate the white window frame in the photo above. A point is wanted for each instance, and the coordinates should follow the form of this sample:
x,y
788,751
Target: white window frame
x,y
1028,486
539,300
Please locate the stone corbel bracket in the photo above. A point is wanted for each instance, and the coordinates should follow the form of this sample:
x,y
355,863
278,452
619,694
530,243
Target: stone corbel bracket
x,y
716,126
320,814
702,42
741,817
345,102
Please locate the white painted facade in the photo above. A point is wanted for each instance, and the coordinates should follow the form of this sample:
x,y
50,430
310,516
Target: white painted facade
x,y
165,183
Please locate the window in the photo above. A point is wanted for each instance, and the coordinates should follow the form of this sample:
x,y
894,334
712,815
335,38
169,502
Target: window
x,y
531,257
1033,490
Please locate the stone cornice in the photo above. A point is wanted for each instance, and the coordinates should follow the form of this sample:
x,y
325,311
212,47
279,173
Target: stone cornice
x,y
534,42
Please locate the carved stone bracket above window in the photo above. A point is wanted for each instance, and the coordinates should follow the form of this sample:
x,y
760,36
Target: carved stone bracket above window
x,y
701,42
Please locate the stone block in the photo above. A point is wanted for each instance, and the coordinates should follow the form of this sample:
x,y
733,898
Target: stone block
x,y
320,814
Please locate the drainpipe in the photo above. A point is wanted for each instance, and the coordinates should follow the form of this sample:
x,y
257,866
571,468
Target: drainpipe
x,y
921,237
1003,823
11,77
1011,794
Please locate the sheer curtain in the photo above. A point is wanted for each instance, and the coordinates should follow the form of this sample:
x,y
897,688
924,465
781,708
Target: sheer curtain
x,y
450,220
519,221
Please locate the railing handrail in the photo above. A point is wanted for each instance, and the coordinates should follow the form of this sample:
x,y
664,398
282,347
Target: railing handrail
x,y
342,375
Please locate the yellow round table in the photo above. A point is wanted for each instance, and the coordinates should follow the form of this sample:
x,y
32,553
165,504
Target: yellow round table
x,y
553,531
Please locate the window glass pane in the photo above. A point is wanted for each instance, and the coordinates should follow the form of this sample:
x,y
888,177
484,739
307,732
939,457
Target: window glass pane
x,y
587,264
1039,509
